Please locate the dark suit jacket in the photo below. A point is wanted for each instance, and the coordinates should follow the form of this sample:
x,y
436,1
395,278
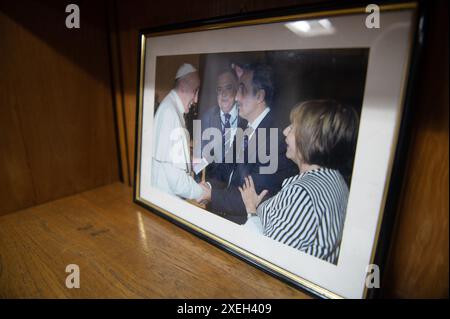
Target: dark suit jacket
x,y
226,200
211,118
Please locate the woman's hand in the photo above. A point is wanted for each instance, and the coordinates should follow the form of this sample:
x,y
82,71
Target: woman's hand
x,y
249,196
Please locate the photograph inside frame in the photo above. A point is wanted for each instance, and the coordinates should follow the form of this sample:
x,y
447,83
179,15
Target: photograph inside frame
x,y
263,139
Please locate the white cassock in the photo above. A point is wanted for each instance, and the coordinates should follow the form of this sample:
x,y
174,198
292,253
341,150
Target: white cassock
x,y
171,163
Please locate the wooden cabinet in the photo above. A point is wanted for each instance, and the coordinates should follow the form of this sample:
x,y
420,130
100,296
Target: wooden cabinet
x,y
57,124
67,117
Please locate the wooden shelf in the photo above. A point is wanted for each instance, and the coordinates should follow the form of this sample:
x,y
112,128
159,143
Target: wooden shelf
x,y
122,250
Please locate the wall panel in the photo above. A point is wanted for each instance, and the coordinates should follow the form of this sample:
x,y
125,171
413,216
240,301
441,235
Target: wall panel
x,y
56,102
418,265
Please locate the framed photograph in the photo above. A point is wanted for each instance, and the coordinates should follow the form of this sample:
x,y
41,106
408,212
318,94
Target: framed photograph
x,y
277,136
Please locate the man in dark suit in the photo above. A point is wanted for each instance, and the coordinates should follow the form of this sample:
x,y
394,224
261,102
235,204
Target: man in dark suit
x,y
224,117
254,97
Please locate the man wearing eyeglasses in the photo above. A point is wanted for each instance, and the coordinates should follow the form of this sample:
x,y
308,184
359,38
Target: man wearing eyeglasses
x,y
225,117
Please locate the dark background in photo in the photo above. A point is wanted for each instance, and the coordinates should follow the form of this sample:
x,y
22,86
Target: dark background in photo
x,y
299,75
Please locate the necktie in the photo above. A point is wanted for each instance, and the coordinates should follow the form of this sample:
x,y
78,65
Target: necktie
x,y
226,133
241,156
226,124
250,131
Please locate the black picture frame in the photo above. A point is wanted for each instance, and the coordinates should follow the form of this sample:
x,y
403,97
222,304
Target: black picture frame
x,y
395,184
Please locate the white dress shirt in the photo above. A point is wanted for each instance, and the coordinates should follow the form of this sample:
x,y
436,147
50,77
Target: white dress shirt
x,y
254,125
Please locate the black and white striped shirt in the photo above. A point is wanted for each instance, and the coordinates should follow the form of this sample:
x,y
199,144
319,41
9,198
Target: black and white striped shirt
x,y
308,213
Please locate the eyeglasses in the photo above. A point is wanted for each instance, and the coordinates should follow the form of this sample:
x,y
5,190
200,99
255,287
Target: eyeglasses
x,y
225,91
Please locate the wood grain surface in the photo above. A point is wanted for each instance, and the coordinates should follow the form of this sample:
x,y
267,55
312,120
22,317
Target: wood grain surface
x,y
418,265
122,251
57,125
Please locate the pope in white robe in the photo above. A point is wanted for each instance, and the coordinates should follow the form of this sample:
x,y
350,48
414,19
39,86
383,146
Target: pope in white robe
x,y
171,161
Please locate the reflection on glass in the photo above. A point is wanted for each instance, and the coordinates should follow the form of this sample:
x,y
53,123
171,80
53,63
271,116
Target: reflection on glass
x,y
311,28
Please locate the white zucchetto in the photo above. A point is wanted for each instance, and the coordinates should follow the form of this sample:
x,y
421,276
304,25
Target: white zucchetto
x,y
185,69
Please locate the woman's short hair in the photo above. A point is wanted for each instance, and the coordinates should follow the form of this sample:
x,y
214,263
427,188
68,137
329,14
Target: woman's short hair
x,y
325,133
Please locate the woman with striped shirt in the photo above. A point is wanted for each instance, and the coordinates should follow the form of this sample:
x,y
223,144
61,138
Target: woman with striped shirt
x,y
309,211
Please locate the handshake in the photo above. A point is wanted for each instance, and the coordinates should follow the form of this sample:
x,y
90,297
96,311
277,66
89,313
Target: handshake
x,y
250,197
206,194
